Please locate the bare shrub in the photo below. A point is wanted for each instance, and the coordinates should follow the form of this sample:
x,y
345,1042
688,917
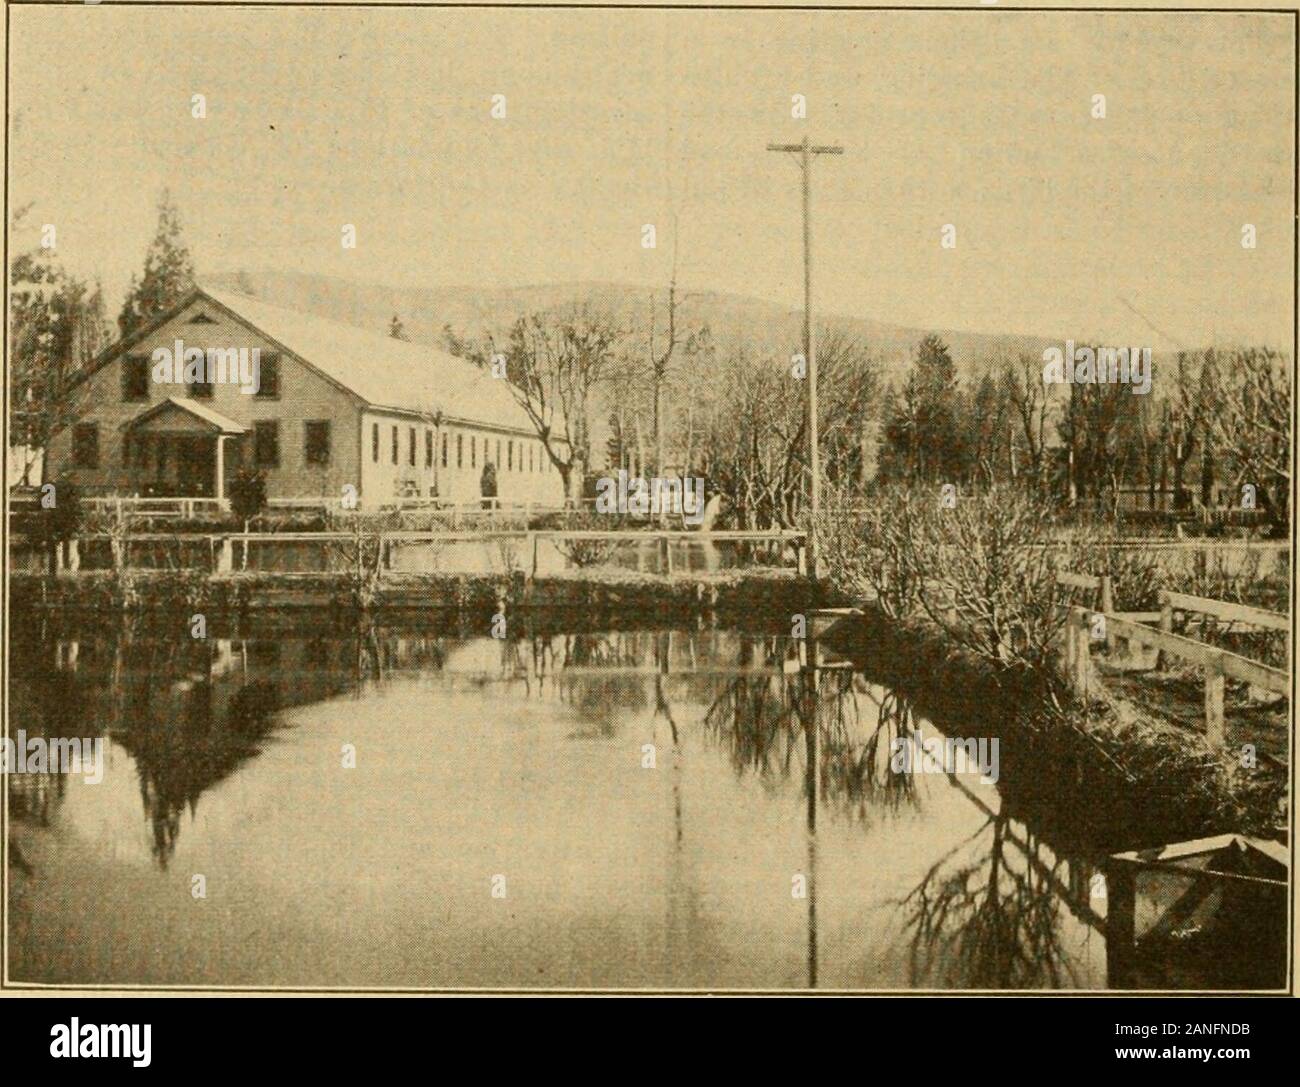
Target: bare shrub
x,y
873,551
992,584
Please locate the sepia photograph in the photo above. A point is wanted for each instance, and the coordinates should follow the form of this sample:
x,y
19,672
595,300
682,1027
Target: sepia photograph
x,y
657,500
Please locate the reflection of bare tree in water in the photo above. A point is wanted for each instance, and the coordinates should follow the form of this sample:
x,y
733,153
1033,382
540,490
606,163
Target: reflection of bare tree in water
x,y
600,698
381,651
987,915
856,774
764,721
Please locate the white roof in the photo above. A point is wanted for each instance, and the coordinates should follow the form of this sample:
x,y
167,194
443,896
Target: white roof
x,y
385,372
198,410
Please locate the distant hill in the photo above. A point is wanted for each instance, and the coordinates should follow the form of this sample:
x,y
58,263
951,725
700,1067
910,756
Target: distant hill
x,y
733,319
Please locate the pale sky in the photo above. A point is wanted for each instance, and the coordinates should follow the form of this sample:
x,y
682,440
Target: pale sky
x,y
981,119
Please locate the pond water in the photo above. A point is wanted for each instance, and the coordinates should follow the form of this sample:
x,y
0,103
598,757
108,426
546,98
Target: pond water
x,y
609,809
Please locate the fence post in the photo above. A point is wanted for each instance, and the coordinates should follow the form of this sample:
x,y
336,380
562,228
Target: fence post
x,y
74,555
1214,731
1079,620
666,555
1121,902
1166,626
801,556
1067,660
1107,607
533,536
226,556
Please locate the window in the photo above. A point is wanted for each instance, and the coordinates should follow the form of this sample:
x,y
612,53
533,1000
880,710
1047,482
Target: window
x,y
374,442
394,445
266,443
510,455
268,377
200,390
498,451
135,377
317,441
530,458
460,450
126,450
444,451
473,451
410,446
428,448
85,445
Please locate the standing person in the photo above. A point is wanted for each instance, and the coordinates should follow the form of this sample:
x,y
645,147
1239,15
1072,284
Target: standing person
x,y
488,485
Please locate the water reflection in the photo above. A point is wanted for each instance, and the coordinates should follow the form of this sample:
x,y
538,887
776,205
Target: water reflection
x,y
770,760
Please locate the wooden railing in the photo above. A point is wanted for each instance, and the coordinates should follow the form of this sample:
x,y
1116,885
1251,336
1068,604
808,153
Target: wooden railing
x,y
1217,664
221,545
1221,609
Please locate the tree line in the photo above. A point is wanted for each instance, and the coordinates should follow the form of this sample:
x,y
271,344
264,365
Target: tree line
x,y
655,394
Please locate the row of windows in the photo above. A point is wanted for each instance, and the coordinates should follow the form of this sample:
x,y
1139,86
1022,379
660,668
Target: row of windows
x,y
137,376
521,456
266,445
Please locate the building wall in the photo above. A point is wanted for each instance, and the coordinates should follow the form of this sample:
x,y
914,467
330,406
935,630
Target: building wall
x,y
385,478
459,450
524,471
304,395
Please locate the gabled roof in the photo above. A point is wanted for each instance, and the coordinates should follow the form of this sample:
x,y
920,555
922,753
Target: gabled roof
x,y
382,371
193,407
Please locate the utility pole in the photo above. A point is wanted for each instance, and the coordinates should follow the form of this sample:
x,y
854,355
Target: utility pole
x,y
805,151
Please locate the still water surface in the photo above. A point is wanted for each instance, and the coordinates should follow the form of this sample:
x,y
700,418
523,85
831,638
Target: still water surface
x,y
526,759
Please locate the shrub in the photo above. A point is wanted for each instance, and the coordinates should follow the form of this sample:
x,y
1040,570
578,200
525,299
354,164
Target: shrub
x,y
247,491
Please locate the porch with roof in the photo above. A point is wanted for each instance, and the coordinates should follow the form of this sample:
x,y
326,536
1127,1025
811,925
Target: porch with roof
x,y
178,449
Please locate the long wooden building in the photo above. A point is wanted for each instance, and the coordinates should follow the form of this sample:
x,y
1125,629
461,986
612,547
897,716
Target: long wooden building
x,y
333,406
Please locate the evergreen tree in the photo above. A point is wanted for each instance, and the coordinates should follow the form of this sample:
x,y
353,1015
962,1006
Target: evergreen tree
x,y
921,423
168,272
939,442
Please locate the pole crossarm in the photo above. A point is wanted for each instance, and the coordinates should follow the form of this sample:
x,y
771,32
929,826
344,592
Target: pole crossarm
x,y
813,149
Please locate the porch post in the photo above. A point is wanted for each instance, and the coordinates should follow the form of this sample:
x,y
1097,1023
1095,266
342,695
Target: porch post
x,y
221,468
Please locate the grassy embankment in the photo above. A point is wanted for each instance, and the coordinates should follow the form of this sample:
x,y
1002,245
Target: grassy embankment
x,y
964,613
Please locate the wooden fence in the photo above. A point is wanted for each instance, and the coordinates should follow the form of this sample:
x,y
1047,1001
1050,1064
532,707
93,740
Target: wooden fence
x,y
1216,664
222,546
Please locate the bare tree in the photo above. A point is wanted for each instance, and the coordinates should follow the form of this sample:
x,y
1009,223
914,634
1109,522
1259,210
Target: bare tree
x,y
1028,396
756,447
1251,425
554,364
